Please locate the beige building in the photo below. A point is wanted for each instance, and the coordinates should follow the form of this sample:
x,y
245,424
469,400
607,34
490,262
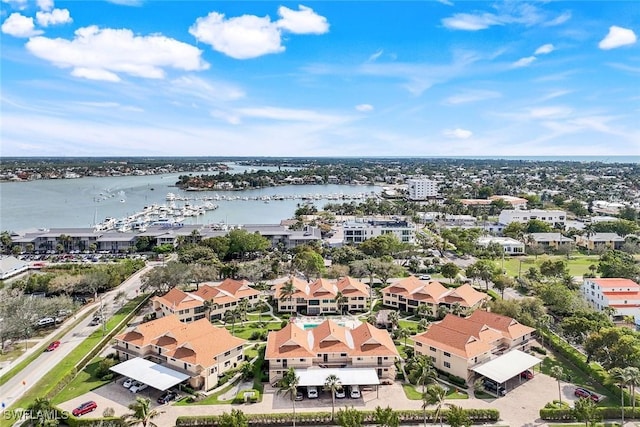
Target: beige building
x,y
210,298
321,296
457,345
600,240
330,345
409,293
198,349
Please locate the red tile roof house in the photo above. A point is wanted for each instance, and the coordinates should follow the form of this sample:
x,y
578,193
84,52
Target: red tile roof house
x,y
623,295
319,297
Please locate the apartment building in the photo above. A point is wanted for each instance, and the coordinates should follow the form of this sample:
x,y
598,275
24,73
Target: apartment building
x,y
551,217
422,188
551,240
322,296
330,345
210,298
456,345
358,231
409,293
198,349
600,241
509,246
623,295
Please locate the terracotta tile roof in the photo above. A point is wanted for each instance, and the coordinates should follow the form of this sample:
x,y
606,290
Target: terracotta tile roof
x,y
615,283
452,341
198,342
301,286
465,295
511,328
226,291
475,329
434,292
352,287
177,299
329,337
323,288
621,295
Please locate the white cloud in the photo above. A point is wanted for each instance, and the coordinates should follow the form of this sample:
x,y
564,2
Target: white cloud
x,y
302,21
375,55
364,107
471,96
103,54
230,118
469,22
17,4
524,62
289,114
45,5
617,37
126,2
457,133
206,90
18,25
555,112
560,19
243,37
544,49
55,17
446,2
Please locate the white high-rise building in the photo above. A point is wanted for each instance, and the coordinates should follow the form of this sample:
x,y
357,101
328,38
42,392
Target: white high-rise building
x,y
520,215
422,188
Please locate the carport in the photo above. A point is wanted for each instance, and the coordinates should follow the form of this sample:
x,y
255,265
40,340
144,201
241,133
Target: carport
x,y
347,376
154,375
507,366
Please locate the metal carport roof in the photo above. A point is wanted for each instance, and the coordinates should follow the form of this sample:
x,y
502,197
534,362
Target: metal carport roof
x,y
154,375
347,376
507,366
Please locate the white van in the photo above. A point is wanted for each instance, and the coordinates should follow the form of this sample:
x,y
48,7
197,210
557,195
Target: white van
x,y
46,321
355,392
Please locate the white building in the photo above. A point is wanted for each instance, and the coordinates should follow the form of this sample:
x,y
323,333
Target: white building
x,y
359,231
11,266
520,215
621,294
509,245
422,188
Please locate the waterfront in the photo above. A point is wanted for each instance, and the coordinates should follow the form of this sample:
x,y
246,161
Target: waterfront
x,y
85,201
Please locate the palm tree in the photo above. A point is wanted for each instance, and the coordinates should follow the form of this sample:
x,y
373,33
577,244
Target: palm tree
x,y
288,385
457,309
243,306
426,372
43,413
393,319
558,373
332,384
423,310
633,380
404,333
435,395
341,301
286,293
621,379
232,316
424,324
142,413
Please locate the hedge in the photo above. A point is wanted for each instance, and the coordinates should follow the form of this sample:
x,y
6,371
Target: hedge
x,y
605,413
324,418
241,399
72,421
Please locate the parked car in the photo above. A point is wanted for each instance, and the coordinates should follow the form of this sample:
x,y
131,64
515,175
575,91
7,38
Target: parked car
x,y
95,321
583,392
85,408
312,392
340,393
128,382
494,388
137,386
53,346
425,277
45,322
299,396
167,397
355,392
527,375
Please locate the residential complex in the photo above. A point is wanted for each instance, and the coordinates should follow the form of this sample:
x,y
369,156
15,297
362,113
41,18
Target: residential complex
x,y
422,188
198,349
515,202
509,246
210,298
551,240
322,296
600,241
358,231
622,295
456,345
330,345
409,293
551,217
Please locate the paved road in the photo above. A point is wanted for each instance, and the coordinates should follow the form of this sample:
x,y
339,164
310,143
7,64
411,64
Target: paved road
x,y
30,375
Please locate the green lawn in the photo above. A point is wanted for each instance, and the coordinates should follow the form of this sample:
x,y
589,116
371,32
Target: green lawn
x,y
83,382
413,393
66,366
245,331
578,264
582,425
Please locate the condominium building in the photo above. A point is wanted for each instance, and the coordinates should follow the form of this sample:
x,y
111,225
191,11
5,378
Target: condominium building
x,y
358,231
600,241
509,246
623,295
409,293
456,345
198,349
330,345
322,296
551,217
422,188
210,298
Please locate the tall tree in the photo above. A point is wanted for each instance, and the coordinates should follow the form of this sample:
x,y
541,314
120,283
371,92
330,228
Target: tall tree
x,y
332,384
435,395
142,413
450,271
621,379
558,373
288,386
287,291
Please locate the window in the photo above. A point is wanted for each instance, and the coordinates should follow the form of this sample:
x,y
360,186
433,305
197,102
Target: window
x,y
239,357
226,353
447,354
227,363
447,365
343,354
432,348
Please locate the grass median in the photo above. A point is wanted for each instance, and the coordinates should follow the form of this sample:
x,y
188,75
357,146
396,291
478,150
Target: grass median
x,y
66,366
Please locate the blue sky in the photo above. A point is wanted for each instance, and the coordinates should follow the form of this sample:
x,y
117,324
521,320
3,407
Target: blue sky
x,y
335,78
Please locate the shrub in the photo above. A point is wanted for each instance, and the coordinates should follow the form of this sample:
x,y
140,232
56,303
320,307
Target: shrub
x,y
103,367
107,377
539,350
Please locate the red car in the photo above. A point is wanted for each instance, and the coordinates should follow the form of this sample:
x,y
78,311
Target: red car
x,y
85,408
53,346
526,375
583,392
